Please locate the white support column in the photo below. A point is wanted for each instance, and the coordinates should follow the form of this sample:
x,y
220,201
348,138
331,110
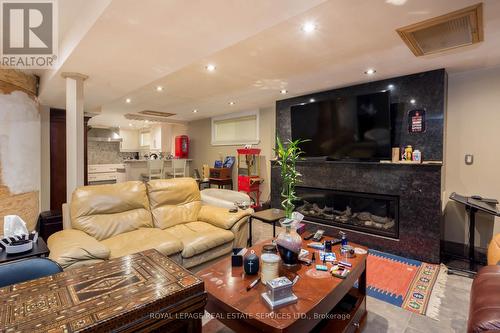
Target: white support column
x,y
74,132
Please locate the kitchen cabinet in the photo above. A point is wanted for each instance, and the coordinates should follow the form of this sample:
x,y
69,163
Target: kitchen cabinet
x,y
145,139
130,140
156,138
104,173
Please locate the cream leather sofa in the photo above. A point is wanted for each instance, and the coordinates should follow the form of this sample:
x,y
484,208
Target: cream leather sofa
x,y
109,221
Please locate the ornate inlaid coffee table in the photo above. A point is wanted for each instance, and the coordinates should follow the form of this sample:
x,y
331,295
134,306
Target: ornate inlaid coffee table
x,y
325,303
141,292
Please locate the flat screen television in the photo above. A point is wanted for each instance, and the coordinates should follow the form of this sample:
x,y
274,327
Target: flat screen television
x,y
345,128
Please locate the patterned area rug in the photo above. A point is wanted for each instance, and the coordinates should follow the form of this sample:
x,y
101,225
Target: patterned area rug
x,y
410,284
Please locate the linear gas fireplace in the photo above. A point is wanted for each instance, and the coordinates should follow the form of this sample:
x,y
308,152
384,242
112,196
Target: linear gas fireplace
x,y
371,213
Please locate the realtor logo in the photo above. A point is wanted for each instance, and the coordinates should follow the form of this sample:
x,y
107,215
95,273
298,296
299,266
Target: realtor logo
x,y
29,34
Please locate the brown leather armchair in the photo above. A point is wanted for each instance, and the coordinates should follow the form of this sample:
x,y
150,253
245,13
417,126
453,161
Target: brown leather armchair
x,y
494,250
108,221
484,308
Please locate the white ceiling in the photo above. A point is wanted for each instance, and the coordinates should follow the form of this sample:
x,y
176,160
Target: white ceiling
x,y
258,46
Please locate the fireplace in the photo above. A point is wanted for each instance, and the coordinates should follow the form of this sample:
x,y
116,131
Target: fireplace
x,y
375,214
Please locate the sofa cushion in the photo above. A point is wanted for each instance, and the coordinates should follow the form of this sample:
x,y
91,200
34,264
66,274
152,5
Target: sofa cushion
x,y
198,237
103,211
174,201
207,256
140,240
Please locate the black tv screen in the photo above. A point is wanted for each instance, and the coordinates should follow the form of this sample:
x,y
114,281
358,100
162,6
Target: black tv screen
x,y
352,127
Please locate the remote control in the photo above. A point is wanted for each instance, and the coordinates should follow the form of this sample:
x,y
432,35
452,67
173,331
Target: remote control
x,y
318,235
308,235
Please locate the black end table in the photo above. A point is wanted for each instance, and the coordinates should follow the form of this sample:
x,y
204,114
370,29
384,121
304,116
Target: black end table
x,y
40,249
271,215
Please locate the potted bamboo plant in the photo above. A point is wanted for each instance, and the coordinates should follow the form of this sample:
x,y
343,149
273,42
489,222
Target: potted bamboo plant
x,y
289,242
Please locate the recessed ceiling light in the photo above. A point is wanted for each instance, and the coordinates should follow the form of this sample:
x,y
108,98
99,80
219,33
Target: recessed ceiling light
x,y
128,100
283,91
309,27
396,2
210,67
312,100
146,121
195,111
412,101
391,86
130,124
302,103
159,88
370,71
231,103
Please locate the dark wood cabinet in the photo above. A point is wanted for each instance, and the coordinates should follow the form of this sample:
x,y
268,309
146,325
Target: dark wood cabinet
x,y
58,157
49,222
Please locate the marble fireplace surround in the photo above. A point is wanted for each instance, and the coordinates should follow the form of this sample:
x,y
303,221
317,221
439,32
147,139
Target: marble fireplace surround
x,y
418,186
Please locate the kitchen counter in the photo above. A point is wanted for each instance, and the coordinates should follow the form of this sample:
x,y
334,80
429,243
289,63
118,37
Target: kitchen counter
x,y
137,161
134,168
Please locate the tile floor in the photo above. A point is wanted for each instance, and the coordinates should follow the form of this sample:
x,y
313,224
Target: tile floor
x,y
384,317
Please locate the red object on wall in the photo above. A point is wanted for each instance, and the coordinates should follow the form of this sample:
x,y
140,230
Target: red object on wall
x,y
181,146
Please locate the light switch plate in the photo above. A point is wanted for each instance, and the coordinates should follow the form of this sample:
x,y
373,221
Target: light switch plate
x,y
469,159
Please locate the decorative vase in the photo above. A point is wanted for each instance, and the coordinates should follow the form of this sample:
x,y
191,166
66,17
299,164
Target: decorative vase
x,y
289,243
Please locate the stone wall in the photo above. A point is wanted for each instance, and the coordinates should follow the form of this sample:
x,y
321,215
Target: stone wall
x,y
19,152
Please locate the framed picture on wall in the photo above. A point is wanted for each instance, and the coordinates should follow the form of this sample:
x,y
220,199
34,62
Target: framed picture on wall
x,y
416,121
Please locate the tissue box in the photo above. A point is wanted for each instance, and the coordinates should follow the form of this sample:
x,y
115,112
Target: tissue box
x,y
18,243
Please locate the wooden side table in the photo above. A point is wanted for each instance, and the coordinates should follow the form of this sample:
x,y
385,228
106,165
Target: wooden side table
x,y
271,215
40,249
221,182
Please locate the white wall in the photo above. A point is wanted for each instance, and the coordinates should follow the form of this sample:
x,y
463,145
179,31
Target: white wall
x,y
202,151
473,126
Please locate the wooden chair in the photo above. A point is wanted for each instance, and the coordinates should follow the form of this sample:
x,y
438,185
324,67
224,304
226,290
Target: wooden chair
x,y
178,168
155,170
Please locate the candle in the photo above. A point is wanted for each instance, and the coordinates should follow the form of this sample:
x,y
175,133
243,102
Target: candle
x,y
270,267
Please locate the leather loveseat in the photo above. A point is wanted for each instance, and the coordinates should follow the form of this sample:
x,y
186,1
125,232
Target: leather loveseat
x,y
109,221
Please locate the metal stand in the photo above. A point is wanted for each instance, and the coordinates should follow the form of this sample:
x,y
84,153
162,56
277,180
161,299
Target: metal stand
x,y
471,272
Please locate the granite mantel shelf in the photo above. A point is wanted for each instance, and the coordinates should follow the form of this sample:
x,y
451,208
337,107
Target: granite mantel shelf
x,y
438,164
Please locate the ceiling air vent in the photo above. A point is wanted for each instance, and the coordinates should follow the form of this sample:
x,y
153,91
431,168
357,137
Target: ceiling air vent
x,y
155,116
456,29
156,113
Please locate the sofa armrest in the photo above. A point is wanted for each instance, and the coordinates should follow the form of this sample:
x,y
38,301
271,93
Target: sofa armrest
x,y
221,217
68,247
240,231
